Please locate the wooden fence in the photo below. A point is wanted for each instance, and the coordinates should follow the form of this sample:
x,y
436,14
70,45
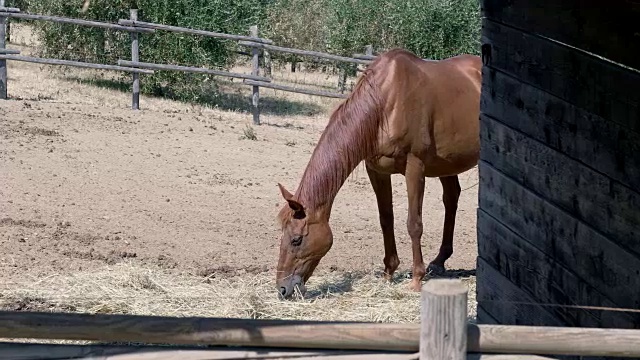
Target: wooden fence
x,y
444,333
136,27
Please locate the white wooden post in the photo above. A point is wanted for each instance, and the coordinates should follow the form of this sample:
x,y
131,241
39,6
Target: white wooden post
x,y
3,62
135,57
255,63
443,332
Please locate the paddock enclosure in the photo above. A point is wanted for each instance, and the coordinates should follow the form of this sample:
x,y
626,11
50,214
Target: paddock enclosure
x,y
118,221
559,197
184,194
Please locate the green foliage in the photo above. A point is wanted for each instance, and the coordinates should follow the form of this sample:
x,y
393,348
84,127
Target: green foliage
x,y
430,28
71,42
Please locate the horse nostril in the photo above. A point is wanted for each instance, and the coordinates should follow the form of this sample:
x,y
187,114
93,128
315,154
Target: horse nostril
x,y
283,290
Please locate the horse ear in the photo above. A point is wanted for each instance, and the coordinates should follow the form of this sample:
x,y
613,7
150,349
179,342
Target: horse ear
x,y
285,193
297,207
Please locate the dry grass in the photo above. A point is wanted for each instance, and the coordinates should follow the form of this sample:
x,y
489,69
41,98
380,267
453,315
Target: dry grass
x,y
127,289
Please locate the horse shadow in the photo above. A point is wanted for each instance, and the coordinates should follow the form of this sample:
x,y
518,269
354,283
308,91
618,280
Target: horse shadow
x,y
346,281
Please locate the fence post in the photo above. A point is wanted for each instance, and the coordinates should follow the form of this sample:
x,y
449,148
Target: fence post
x,y
342,77
135,57
368,50
443,332
3,62
267,63
255,64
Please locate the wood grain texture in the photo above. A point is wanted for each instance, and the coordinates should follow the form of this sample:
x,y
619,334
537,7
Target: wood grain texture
x,y
166,67
443,314
29,351
303,52
32,351
142,25
606,205
496,296
547,280
73,63
211,331
549,340
609,29
591,256
295,90
64,20
603,145
598,86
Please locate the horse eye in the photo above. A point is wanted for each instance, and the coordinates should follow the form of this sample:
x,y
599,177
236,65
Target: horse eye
x,y
297,240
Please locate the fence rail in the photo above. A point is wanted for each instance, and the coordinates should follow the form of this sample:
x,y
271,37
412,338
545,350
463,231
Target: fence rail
x,y
64,20
443,333
136,27
148,25
81,64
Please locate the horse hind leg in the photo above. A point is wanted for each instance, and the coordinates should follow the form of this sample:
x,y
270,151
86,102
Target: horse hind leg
x,y
450,196
381,184
414,177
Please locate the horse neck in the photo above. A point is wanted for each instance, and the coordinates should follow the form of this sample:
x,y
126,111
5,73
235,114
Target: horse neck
x,y
350,137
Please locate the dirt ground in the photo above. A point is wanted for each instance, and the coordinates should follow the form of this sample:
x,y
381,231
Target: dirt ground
x,y
87,182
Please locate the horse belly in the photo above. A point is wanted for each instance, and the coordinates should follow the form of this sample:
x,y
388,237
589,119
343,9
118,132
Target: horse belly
x,y
388,165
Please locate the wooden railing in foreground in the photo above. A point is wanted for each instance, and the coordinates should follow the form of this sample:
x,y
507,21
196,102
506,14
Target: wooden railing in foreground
x,y
444,333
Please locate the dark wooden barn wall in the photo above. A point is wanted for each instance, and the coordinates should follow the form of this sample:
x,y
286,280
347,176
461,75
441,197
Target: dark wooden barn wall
x,y
559,196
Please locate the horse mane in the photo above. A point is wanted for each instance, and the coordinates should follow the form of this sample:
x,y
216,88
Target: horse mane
x,y
350,136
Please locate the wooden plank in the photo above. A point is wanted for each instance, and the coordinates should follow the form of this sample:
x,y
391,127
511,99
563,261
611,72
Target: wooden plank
x,y
546,279
606,205
147,25
317,335
255,71
596,85
296,90
574,244
609,29
166,67
499,297
9,9
211,331
3,62
33,351
602,145
135,57
73,63
303,52
443,318
485,318
550,340
9,51
65,20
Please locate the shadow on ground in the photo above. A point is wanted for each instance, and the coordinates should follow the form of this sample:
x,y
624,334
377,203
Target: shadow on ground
x,y
344,283
212,97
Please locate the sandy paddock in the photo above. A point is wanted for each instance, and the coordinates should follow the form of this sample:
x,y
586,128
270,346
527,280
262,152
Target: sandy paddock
x,y
171,209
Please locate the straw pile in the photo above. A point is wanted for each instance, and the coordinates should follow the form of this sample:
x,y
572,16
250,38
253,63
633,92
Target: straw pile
x,y
127,289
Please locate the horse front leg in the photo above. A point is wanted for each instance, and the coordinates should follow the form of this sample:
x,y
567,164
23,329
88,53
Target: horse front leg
x,y
414,176
381,184
450,195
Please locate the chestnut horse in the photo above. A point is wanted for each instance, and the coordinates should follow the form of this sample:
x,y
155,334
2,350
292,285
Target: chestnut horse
x,y
405,115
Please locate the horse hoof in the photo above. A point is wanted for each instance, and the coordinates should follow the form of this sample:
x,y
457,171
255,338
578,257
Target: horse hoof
x,y
415,285
435,269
